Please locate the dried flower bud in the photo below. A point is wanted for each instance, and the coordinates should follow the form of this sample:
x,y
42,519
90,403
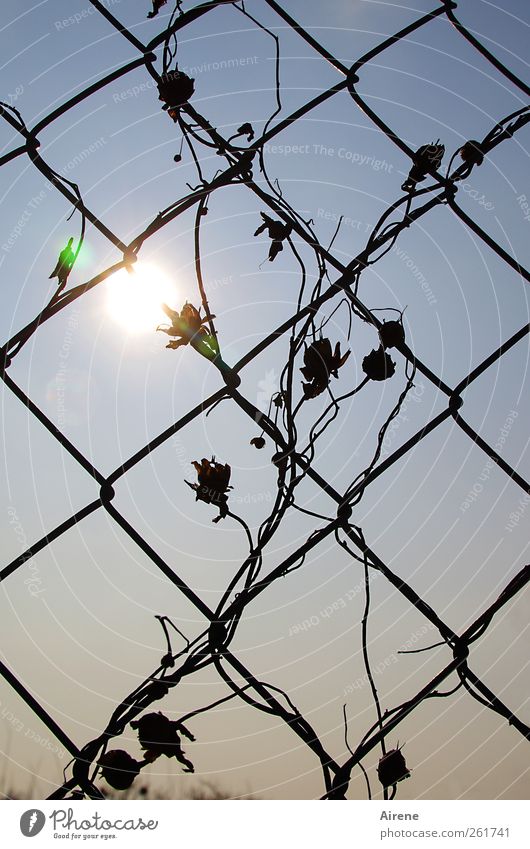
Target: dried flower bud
x,y
377,365
392,334
175,89
119,769
157,5
392,768
246,130
167,661
427,158
471,153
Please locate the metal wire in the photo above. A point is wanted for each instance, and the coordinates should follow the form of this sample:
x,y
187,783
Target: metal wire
x,y
293,463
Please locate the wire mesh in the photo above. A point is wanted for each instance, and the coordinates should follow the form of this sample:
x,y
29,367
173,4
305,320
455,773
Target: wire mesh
x,y
286,229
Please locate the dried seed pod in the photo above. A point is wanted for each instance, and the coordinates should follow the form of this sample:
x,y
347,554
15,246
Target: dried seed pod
x,y
167,661
392,334
119,769
472,153
427,158
392,768
258,442
378,365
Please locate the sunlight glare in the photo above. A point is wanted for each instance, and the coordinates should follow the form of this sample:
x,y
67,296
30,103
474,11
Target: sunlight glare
x,y
134,298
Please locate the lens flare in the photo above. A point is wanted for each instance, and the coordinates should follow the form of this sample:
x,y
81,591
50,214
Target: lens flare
x,y
134,298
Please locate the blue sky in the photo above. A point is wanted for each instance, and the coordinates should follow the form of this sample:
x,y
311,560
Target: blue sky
x,y
90,636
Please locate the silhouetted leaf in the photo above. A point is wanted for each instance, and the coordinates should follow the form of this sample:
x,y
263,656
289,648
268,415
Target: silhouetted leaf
x,y
277,231
64,264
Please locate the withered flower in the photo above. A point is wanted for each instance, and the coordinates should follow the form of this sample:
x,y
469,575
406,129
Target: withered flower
x,y
213,484
277,231
158,735
427,158
189,326
377,365
119,769
258,442
157,5
392,334
320,363
392,768
175,89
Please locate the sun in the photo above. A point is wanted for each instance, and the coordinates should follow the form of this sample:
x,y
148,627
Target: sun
x,y
134,298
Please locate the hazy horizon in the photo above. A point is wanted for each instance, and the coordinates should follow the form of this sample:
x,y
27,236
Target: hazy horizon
x,y
77,622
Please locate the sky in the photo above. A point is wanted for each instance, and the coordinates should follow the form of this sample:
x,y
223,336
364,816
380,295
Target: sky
x,y
77,622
